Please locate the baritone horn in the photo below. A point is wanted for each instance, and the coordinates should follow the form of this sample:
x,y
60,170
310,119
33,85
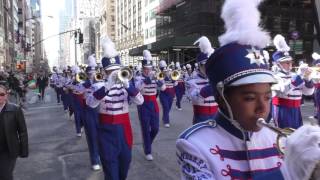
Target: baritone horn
x,y
125,73
175,75
159,75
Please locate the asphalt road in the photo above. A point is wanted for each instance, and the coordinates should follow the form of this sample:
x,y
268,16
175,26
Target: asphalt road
x,y
57,154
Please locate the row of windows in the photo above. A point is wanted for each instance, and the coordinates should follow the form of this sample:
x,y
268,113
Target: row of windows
x,y
150,33
148,2
150,15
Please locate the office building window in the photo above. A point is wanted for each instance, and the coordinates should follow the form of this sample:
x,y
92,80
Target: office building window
x,y
153,13
146,17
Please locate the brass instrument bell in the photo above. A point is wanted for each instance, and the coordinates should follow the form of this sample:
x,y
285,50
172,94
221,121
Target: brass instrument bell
x,y
98,77
125,73
160,75
175,75
81,77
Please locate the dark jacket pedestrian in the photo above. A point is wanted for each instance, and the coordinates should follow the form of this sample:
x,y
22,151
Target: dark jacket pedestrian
x,y
13,135
42,83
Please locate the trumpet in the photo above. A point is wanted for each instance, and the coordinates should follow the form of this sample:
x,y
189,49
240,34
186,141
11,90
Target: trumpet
x,y
312,68
281,142
282,134
124,73
81,77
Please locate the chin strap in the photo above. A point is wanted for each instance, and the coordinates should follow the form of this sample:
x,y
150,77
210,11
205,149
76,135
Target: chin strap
x,y
235,123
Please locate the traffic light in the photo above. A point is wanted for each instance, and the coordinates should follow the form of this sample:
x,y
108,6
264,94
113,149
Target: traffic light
x,y
80,38
20,66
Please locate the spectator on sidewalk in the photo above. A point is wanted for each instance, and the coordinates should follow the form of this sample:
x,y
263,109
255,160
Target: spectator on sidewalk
x,y
13,135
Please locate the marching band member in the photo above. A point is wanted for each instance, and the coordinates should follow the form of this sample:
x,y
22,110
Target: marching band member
x,y
167,94
78,103
149,111
188,75
114,128
316,81
57,80
53,76
195,70
63,92
198,88
68,99
232,145
180,88
290,87
90,120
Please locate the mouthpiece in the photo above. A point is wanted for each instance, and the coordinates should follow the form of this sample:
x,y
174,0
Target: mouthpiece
x,y
261,122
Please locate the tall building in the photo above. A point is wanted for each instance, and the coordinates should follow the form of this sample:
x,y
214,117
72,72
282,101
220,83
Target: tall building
x,y
9,34
38,55
107,24
129,29
180,22
296,21
23,36
149,13
2,48
85,18
65,16
316,44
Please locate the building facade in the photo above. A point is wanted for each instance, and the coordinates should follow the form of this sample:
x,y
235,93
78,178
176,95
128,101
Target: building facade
x,y
180,22
8,35
129,28
2,36
107,24
65,16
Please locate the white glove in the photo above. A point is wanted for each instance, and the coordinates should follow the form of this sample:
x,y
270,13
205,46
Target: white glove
x,y
302,69
302,152
125,83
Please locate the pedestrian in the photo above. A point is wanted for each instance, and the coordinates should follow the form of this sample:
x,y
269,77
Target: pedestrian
x,y
42,83
233,145
114,128
149,111
13,135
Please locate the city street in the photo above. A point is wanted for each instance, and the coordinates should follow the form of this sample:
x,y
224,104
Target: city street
x,y
57,154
